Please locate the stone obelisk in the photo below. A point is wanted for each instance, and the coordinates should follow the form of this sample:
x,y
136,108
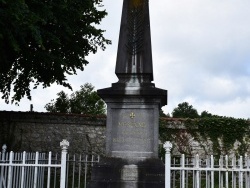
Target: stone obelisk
x,y
133,105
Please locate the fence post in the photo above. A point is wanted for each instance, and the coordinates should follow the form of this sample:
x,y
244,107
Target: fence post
x,y
4,147
167,146
64,145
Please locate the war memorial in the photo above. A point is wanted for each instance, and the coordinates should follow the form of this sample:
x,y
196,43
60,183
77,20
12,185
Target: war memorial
x,y
133,105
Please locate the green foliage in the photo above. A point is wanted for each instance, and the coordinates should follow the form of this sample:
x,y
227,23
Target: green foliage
x,y
62,104
205,114
162,114
84,101
43,41
184,110
223,132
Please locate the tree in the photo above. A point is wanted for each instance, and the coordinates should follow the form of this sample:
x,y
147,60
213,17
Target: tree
x,y
162,114
84,101
41,42
62,104
184,110
206,114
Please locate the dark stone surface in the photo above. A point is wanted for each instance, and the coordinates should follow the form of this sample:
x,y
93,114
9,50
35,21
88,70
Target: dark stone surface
x,y
127,173
146,91
134,50
133,105
136,136
132,133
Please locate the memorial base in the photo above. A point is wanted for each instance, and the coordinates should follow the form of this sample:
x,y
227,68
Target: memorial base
x,y
128,173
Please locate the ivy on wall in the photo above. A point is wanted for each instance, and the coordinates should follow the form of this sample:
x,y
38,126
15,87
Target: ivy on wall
x,y
226,134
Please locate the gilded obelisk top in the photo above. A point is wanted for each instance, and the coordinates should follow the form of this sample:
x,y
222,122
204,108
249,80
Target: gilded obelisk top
x,y
134,57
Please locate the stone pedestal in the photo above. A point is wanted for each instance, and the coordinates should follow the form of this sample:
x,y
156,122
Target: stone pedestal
x,y
124,173
131,138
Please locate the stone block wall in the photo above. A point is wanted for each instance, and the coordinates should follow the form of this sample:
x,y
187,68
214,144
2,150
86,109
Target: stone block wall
x,y
182,140
195,138
32,131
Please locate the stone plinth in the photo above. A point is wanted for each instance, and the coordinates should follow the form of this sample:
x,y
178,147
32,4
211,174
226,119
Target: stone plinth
x,y
131,139
125,173
132,121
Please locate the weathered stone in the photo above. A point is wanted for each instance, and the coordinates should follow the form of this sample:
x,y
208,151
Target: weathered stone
x,y
132,108
27,130
44,131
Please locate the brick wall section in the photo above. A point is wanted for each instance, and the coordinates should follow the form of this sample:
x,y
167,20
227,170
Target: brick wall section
x,y
32,131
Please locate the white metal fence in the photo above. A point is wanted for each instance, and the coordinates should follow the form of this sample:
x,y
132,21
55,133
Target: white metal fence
x,y
32,170
39,170
209,172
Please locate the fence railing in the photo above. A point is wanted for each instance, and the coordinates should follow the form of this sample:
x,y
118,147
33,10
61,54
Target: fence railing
x,y
32,170
208,172
78,171
39,170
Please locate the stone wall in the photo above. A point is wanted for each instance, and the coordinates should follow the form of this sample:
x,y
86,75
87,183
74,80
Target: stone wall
x,y
181,138
32,131
207,136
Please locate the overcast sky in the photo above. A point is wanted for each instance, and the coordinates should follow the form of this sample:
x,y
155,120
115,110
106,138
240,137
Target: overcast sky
x,y
201,53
